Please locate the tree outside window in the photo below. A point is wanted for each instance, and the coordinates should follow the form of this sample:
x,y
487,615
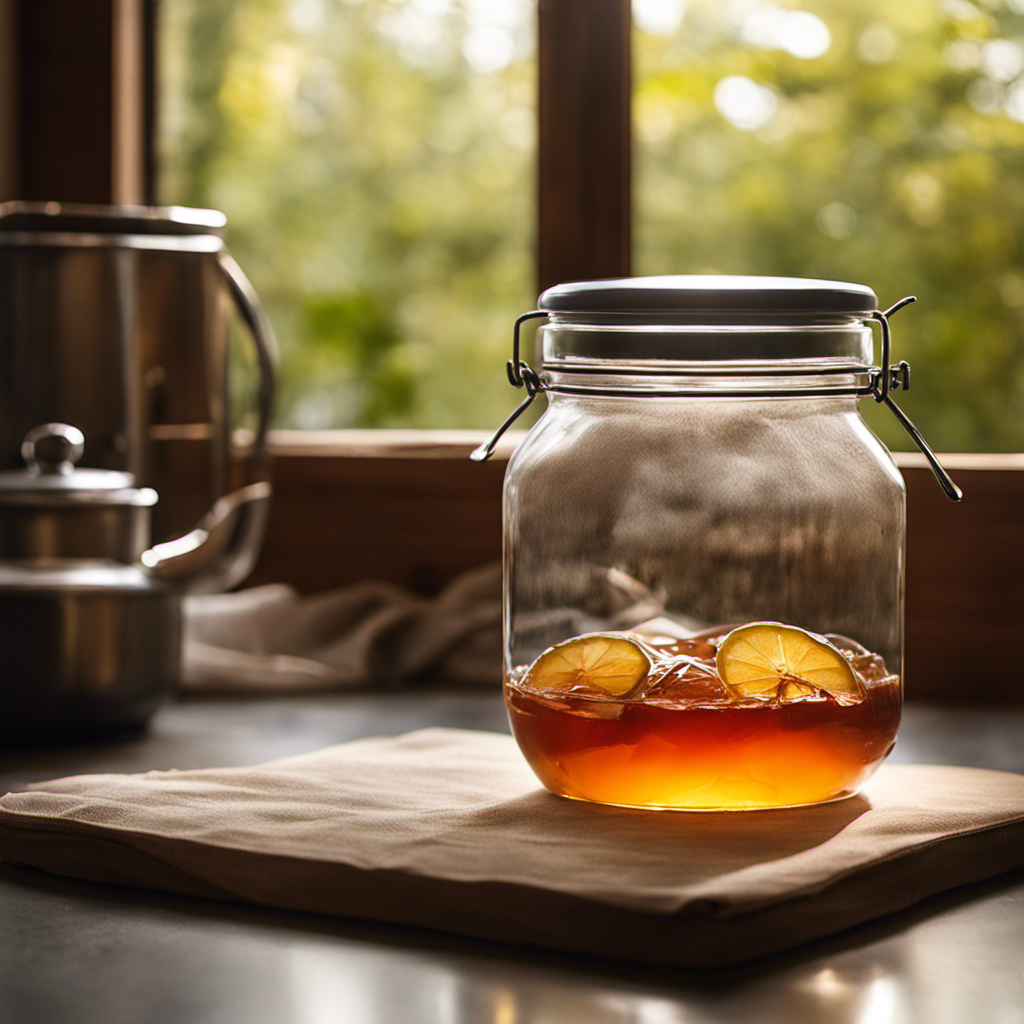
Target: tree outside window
x,y
375,159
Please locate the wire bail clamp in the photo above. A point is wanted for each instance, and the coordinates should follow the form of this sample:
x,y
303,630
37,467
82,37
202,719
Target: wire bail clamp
x,y
883,379
888,377
520,375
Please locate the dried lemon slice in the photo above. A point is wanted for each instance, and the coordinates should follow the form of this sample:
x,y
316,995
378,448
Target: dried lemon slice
x,y
762,659
610,662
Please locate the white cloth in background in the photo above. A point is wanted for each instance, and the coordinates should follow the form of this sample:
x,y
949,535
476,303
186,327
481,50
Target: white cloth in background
x,y
271,638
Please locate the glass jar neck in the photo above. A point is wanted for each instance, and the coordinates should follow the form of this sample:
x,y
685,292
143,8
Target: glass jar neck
x,y
785,356
771,381
795,345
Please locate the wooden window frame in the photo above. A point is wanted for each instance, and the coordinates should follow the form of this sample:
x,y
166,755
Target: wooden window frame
x,y
408,507
78,100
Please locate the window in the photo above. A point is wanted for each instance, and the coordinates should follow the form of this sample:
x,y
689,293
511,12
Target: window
x,y
375,160
862,141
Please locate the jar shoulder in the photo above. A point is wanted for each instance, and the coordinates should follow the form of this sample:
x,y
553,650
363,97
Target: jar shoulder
x,y
813,446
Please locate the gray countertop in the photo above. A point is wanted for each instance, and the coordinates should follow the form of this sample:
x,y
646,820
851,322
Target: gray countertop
x,y
79,952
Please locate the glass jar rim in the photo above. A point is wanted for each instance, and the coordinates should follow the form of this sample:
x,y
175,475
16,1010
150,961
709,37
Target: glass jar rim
x,y
569,346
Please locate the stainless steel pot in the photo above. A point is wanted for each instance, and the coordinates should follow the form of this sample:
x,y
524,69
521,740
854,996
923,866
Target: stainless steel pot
x,y
90,619
118,320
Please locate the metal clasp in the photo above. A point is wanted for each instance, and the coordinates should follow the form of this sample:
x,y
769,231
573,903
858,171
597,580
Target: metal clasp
x,y
520,375
887,377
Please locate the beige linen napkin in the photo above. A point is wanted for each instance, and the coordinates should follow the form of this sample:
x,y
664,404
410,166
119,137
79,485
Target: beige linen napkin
x,y
447,829
271,638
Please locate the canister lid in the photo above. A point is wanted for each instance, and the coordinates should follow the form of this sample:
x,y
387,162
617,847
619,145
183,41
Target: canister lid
x,y
83,218
694,296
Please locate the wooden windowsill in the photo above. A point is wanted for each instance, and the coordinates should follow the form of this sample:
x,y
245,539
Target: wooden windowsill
x,y
457,444
386,444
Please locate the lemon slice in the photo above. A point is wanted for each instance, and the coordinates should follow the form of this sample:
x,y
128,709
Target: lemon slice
x,y
763,659
610,662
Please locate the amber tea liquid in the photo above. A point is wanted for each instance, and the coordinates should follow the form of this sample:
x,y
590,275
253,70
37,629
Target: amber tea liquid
x,y
685,746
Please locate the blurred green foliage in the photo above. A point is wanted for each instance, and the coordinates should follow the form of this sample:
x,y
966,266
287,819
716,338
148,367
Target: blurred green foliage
x,y
859,140
375,161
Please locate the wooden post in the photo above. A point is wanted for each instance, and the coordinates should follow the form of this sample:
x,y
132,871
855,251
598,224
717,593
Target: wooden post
x,y
8,101
584,140
80,84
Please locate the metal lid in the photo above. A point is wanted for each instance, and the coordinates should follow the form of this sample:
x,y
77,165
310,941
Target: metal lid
x,y
30,226
51,477
692,298
81,218
687,319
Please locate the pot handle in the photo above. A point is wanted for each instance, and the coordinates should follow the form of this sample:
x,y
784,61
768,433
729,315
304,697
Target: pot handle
x,y
254,317
223,549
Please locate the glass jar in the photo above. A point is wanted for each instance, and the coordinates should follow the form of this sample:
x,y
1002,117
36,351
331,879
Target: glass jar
x,y
704,545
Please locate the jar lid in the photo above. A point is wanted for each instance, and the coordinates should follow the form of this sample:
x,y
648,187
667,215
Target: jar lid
x,y
686,319
51,477
694,296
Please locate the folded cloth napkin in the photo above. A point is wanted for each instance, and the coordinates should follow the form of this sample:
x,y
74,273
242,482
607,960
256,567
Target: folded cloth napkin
x,y
270,638
447,829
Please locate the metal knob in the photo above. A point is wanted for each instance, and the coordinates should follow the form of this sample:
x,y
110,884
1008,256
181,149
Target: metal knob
x,y
52,448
